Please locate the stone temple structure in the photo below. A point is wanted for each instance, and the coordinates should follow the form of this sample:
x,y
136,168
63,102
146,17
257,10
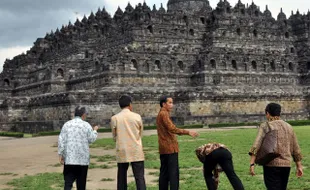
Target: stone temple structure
x,y
221,64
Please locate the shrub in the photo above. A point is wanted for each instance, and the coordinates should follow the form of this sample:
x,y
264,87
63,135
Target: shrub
x,y
104,130
299,122
47,133
151,127
12,134
195,126
233,124
293,123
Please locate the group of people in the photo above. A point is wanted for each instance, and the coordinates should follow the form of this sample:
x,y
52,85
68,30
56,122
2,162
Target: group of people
x,y
127,128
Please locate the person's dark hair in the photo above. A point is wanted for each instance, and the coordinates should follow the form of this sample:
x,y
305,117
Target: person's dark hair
x,y
273,109
79,111
124,101
163,99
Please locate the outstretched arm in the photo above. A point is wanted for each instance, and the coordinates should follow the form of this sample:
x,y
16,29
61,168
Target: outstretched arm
x,y
173,129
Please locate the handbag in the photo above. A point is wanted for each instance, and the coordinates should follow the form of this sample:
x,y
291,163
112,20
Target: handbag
x,y
269,148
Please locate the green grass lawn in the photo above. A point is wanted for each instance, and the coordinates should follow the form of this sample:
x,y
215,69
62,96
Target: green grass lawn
x,y
44,181
191,177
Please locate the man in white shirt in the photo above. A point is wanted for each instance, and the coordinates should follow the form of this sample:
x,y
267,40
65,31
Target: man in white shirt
x,y
127,130
73,149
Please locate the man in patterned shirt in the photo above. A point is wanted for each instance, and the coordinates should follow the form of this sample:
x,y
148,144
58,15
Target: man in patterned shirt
x,y
73,149
168,145
216,157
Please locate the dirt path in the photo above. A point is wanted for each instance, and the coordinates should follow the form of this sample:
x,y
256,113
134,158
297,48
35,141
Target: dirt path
x,y
39,155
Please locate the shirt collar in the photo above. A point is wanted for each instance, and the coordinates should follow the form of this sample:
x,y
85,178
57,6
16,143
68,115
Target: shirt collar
x,y
164,109
125,110
77,117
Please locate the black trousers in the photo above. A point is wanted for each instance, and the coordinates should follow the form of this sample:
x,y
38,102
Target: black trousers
x,y
138,172
75,172
169,171
276,178
222,157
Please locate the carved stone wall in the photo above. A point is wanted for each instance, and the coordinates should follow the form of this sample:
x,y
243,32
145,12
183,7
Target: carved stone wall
x,y
220,65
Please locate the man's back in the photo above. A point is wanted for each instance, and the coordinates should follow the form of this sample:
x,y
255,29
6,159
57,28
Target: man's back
x,y
287,143
73,148
128,126
74,140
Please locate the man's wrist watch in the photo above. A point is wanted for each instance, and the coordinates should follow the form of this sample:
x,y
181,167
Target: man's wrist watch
x,y
252,165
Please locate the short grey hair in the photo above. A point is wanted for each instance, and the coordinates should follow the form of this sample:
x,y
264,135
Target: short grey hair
x,y
79,111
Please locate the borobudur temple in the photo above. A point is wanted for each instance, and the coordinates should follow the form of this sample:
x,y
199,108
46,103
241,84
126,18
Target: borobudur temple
x,y
221,64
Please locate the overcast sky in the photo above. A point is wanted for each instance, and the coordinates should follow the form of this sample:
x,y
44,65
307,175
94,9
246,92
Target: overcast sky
x,y
23,21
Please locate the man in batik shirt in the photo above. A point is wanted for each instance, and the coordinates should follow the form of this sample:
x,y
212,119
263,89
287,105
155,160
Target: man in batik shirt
x,y
215,158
